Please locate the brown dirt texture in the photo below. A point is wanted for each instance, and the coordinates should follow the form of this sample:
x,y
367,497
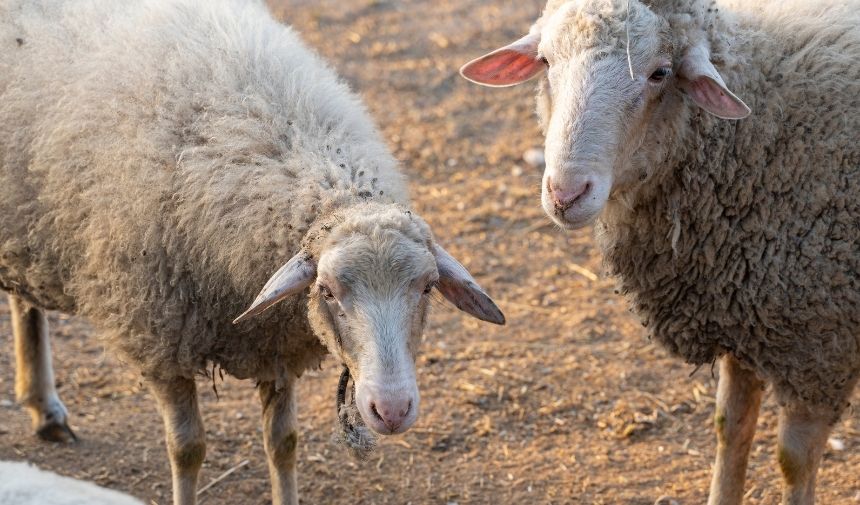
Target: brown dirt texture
x,y
567,404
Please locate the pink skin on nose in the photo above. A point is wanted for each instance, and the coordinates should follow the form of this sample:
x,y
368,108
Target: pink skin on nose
x,y
564,198
389,415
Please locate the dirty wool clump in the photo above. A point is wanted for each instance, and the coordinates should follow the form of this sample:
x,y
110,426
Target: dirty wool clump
x,y
351,431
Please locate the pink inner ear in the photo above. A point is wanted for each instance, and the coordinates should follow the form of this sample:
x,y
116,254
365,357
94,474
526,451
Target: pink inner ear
x,y
715,99
504,67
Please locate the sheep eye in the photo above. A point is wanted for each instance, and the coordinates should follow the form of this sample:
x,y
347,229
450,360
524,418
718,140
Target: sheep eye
x,y
326,293
544,61
660,74
429,288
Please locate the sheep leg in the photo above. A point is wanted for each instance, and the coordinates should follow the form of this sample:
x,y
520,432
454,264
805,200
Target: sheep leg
x,y
802,438
738,400
183,427
280,440
34,377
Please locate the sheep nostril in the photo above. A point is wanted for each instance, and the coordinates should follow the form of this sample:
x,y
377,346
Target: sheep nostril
x,y
405,412
585,192
564,199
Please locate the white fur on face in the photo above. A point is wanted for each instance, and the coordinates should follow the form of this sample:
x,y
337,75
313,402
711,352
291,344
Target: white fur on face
x,y
593,113
378,306
581,142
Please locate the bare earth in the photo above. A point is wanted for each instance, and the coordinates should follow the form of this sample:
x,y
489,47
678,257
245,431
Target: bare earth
x,y
568,403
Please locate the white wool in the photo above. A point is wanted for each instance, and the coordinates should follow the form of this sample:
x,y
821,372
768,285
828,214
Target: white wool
x,y
23,484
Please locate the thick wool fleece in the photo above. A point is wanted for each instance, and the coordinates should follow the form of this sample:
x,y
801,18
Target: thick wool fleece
x,y
745,238
22,484
159,159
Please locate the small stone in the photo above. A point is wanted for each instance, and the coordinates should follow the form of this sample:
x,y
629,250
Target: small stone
x,y
666,500
837,444
516,170
534,157
6,403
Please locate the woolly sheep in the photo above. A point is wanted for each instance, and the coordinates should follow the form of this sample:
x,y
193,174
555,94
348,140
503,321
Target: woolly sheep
x,y
733,239
159,159
22,484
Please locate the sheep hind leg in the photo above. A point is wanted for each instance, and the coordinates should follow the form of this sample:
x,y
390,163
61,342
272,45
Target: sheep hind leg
x,y
738,401
280,440
802,438
183,427
34,375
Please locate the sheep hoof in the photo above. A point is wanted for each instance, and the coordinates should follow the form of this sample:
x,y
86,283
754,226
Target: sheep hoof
x,y
56,431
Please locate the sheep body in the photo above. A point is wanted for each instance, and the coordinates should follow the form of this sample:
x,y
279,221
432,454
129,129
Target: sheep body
x,y
22,484
159,160
745,239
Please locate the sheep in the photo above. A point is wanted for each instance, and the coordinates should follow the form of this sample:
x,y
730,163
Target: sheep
x,y
159,159
22,484
715,147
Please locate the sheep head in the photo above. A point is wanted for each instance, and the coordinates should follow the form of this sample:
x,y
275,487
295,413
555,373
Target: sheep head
x,y
618,82
370,275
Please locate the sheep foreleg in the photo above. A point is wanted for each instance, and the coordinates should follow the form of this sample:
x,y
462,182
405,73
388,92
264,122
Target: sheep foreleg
x,y
738,400
186,444
280,440
34,377
802,438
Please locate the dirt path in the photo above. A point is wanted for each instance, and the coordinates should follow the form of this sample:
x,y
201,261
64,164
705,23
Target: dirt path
x,y
569,403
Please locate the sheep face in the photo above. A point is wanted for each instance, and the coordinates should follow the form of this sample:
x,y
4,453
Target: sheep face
x,y
368,302
609,104
369,305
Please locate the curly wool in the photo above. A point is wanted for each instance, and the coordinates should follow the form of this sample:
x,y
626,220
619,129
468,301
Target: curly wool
x,y
160,159
744,238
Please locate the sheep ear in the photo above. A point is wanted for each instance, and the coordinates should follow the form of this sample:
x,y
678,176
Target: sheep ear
x,y
458,286
513,64
703,84
290,279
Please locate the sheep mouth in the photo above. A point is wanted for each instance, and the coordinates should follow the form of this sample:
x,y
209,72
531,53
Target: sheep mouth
x,y
352,432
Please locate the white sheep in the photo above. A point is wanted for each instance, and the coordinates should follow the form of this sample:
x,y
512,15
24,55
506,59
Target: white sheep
x,y
733,239
159,159
22,484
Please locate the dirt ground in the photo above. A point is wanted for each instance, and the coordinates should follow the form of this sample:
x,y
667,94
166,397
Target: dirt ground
x,y
568,403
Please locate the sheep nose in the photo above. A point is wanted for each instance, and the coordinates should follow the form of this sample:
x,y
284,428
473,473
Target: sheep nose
x,y
564,198
392,412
